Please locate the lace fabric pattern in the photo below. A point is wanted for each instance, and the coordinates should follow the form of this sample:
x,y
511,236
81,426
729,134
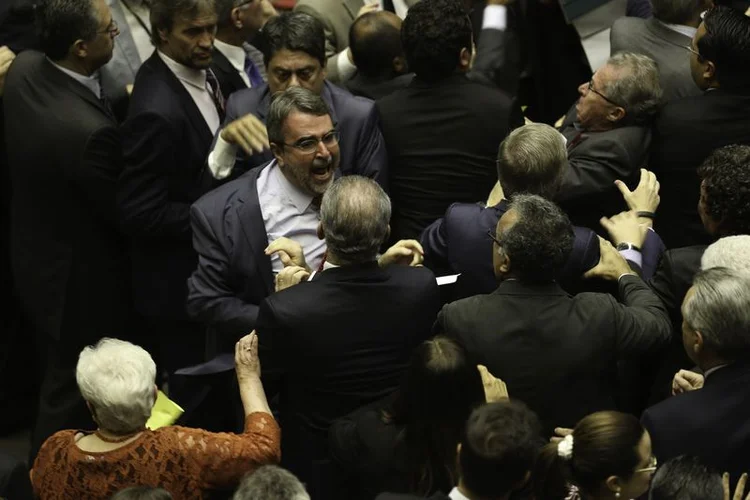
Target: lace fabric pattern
x,y
186,462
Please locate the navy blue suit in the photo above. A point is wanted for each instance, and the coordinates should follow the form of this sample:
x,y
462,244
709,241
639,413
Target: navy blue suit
x,y
361,143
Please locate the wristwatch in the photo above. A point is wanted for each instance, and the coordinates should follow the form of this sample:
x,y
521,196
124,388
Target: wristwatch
x,y
627,246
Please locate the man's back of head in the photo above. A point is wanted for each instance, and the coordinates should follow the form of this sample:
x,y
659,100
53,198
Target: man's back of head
x,y
354,216
683,12
437,39
721,51
724,205
685,478
731,252
271,482
375,42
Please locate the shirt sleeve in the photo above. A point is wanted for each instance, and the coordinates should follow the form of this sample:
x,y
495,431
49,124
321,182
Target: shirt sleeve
x,y
494,17
221,160
633,256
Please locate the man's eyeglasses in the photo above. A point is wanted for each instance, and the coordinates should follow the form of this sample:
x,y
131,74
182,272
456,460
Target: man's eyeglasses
x,y
112,29
691,49
491,234
310,145
652,464
592,89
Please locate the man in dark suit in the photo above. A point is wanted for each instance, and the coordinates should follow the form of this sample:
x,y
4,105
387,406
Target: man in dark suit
x,y
608,133
664,38
69,260
688,130
344,338
442,131
237,64
556,353
496,453
174,111
295,56
711,422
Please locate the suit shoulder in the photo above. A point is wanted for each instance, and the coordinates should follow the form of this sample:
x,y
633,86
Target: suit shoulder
x,y
216,201
625,26
345,101
246,100
414,277
481,93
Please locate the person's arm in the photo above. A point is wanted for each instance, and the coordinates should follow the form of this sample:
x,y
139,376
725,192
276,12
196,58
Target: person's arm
x,y
593,171
211,298
434,240
497,60
372,158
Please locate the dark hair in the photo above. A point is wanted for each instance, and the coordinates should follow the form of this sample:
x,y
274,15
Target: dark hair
x,y
727,44
224,10
288,101
685,478
604,444
540,241
164,12
440,389
433,34
499,448
375,41
142,493
294,31
676,11
62,22
726,183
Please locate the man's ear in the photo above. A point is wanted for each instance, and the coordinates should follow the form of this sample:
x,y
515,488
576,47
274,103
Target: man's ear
x,y
698,342
236,18
613,484
709,71
80,49
464,59
277,153
162,35
504,265
388,233
321,234
399,65
616,114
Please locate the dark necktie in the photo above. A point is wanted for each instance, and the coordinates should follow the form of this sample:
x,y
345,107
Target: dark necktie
x,y
103,99
256,80
216,95
388,5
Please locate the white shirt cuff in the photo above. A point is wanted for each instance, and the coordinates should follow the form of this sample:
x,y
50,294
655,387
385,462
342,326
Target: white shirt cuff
x,y
221,160
494,17
345,66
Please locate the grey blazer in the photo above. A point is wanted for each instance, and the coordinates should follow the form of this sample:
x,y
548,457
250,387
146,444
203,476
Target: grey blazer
x,y
337,17
665,46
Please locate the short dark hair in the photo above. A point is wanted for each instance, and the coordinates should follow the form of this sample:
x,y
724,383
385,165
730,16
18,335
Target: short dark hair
x,y
539,242
676,11
433,34
224,10
727,44
499,447
685,478
62,22
142,493
294,31
288,101
164,12
725,175
375,42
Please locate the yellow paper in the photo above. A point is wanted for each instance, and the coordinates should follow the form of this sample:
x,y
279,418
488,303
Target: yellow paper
x,y
165,412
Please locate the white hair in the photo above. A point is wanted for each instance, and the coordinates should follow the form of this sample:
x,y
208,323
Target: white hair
x,y
117,379
271,482
732,252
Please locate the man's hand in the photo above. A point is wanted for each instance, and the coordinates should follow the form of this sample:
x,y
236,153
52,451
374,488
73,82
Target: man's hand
x,y
560,433
247,132
403,253
686,381
625,227
246,360
373,7
290,276
496,195
739,490
289,251
611,264
645,198
494,389
6,57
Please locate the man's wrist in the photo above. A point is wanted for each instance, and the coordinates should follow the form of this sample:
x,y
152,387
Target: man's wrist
x,y
629,272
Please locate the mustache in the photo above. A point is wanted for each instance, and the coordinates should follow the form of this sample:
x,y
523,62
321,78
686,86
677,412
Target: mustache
x,y
322,162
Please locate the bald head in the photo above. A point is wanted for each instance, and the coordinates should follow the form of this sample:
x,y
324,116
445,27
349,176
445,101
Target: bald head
x,y
375,42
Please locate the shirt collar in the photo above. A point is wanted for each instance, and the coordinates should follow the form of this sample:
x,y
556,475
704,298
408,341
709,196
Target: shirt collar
x,y
688,31
455,494
191,76
712,370
235,55
327,265
90,82
299,198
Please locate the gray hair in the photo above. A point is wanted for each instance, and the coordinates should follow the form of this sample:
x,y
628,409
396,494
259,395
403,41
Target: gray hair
x,y
719,308
117,379
636,86
224,9
271,482
62,22
288,101
676,11
354,213
732,252
164,12
532,159
540,241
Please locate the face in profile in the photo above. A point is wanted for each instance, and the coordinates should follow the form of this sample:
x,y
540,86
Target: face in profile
x,y
99,49
699,66
500,261
289,68
639,482
191,39
593,108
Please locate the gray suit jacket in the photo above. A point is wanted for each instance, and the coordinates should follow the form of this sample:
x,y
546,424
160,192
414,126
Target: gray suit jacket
x,y
665,46
337,17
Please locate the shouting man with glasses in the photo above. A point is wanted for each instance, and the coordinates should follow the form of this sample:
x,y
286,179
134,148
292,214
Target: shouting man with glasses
x,y
608,136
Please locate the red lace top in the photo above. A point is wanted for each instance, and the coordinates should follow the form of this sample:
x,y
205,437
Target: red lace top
x,y
186,462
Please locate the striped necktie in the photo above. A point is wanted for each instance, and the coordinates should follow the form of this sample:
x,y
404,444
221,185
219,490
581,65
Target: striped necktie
x,y
215,91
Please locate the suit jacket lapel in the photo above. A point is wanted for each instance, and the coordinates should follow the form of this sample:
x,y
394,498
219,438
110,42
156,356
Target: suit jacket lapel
x,y
253,227
221,62
62,80
265,102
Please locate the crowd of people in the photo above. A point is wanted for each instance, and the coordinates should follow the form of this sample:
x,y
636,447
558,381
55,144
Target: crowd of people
x,y
456,289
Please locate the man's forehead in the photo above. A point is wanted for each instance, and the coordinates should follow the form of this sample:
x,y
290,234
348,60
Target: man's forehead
x,y
292,60
197,18
299,124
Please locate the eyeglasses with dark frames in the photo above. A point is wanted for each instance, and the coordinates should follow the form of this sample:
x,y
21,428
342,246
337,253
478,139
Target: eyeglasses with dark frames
x,y
592,89
310,145
491,234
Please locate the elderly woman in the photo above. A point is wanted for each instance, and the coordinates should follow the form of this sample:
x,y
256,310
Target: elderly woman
x,y
116,379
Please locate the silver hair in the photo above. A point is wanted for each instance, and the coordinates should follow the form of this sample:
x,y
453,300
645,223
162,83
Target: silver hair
x,y
271,482
355,212
719,308
532,159
288,101
117,379
636,86
732,252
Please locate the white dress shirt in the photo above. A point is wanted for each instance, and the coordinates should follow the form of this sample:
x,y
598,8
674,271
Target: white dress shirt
x,y
236,57
455,494
90,82
288,211
142,39
194,81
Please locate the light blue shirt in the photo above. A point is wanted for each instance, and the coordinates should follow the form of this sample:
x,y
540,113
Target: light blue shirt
x,y
288,211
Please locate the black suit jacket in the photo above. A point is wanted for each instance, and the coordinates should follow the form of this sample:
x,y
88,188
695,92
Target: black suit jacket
x,y
712,423
69,258
686,132
340,341
555,352
165,142
442,141
229,80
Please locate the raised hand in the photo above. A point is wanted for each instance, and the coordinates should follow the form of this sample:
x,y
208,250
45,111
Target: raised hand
x,y
247,132
289,251
405,253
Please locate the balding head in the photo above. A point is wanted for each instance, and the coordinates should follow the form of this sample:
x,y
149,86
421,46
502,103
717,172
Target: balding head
x,y
375,42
